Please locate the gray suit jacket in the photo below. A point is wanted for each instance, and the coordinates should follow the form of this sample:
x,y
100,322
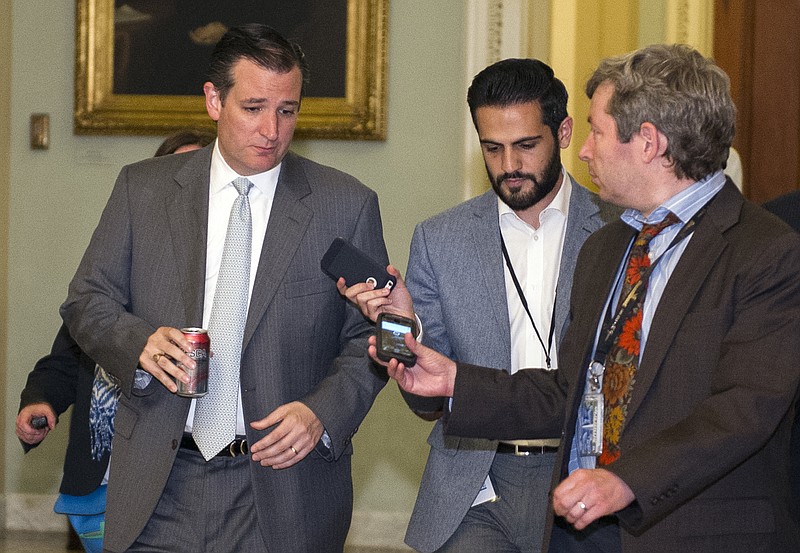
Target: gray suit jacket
x,y
456,277
145,268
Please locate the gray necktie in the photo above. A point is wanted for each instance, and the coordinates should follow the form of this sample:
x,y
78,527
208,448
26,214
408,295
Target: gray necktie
x,y
214,424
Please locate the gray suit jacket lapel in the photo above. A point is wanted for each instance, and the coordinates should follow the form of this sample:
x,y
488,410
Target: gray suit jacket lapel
x,y
186,208
287,225
486,238
583,219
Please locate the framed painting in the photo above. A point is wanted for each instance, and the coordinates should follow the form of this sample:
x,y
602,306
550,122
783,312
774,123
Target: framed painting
x,y
141,64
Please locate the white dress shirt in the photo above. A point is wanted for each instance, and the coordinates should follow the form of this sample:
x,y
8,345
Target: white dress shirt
x,y
536,257
221,195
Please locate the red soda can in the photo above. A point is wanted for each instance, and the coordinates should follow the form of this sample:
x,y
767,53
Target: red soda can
x,y
198,377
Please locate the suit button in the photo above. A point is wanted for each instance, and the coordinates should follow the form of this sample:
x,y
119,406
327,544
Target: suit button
x,y
174,444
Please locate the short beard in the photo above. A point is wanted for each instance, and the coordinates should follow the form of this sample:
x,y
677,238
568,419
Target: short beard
x,y
523,199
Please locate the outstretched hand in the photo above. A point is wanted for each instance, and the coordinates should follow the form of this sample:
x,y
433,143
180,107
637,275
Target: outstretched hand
x,y
433,375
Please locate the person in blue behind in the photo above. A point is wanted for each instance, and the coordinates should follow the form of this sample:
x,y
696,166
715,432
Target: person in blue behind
x,y
68,376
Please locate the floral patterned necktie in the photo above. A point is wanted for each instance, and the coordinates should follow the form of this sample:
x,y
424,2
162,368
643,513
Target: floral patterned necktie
x,y
623,357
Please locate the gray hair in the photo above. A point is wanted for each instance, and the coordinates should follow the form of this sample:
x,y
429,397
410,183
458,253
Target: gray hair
x,y
683,94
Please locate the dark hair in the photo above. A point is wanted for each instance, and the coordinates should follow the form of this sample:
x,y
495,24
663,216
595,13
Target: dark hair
x,y
520,81
185,137
685,95
260,44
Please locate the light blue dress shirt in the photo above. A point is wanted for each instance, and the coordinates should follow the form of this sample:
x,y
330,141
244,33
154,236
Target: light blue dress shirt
x,y
684,204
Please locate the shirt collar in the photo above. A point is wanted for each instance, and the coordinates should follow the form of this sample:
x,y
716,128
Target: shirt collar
x,y
560,203
684,204
222,175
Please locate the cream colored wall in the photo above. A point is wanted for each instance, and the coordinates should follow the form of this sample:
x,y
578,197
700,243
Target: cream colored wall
x,y
55,198
652,21
582,33
5,80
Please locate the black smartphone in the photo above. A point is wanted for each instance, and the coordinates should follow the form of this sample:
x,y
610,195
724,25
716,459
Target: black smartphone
x,y
389,334
343,259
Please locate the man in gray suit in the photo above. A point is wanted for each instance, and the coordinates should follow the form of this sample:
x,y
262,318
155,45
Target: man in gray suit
x,y
153,266
491,280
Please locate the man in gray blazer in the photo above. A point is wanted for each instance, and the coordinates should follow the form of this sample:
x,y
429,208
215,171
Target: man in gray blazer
x,y
304,380
484,495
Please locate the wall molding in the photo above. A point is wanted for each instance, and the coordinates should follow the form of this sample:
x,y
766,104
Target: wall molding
x,y
691,22
496,29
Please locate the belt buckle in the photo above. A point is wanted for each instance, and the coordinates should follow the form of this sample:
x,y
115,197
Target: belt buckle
x,y
238,447
520,453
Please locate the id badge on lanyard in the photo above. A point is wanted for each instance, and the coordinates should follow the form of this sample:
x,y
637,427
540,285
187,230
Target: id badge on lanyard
x,y
590,425
591,414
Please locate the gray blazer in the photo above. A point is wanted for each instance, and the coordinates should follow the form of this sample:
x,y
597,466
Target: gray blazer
x,y
456,277
145,268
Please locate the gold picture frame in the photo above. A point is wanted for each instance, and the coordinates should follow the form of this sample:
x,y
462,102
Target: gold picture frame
x,y
360,114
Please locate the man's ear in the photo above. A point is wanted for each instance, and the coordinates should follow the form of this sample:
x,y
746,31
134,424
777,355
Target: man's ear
x,y
654,142
213,101
564,133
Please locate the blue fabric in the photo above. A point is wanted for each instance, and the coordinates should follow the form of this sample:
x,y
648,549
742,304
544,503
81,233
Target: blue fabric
x,y
102,409
90,530
86,514
90,504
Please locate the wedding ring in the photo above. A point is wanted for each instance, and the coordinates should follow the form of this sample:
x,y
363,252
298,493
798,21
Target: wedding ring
x,y
293,449
157,357
582,505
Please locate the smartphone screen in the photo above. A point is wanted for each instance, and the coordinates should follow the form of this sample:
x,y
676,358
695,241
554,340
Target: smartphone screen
x,y
391,329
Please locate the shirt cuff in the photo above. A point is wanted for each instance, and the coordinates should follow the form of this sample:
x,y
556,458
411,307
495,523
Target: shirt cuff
x,y
141,379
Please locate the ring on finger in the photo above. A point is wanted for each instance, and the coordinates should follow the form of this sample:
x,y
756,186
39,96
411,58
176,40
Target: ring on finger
x,y
293,449
157,357
582,505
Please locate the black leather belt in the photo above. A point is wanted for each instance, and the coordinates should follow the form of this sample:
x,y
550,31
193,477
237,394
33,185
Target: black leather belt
x,y
525,450
235,448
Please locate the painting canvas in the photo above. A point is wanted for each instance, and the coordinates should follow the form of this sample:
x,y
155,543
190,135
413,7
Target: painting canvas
x,y
142,63
177,37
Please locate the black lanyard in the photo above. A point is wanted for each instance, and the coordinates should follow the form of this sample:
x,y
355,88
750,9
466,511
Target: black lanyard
x,y
612,328
525,305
